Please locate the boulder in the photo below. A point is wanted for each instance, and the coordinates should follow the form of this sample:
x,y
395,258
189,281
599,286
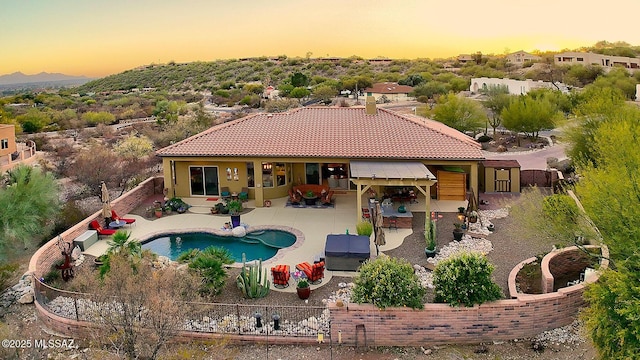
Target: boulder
x,y
239,231
26,298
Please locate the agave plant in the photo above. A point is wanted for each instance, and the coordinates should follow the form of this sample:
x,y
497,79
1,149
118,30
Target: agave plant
x,y
253,280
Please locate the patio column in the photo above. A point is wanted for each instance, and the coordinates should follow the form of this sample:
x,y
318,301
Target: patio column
x,y
259,191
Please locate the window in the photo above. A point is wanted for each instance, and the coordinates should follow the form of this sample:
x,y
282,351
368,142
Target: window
x,y
4,143
267,175
280,174
251,182
580,59
204,180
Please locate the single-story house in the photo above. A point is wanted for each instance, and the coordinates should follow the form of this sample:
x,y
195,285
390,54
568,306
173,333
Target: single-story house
x,y
520,57
352,149
390,91
7,139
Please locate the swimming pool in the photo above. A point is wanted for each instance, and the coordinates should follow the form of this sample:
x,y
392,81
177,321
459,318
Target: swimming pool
x,y
262,244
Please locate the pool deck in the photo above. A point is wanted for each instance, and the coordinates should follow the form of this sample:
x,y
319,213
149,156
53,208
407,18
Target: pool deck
x,y
314,224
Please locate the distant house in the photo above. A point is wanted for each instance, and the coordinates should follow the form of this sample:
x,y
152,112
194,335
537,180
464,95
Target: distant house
x,y
390,91
12,153
516,87
520,57
465,58
606,61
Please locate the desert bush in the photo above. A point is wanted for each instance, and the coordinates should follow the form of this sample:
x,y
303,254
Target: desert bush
x,y
209,265
484,138
387,282
364,228
6,273
465,280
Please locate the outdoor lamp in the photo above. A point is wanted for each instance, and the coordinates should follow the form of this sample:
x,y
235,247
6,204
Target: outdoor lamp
x,y
258,317
461,217
276,321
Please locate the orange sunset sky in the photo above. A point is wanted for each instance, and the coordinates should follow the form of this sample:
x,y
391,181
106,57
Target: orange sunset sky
x,y
98,38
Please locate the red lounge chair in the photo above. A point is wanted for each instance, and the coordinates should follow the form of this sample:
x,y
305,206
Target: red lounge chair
x,y
115,217
294,198
96,226
281,276
314,272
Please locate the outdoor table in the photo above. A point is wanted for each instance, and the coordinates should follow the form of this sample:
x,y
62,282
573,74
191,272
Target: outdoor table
x,y
117,224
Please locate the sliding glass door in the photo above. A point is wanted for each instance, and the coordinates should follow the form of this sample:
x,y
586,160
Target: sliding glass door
x,y
204,180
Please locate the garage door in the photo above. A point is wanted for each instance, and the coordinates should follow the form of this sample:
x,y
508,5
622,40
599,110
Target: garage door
x,y
451,185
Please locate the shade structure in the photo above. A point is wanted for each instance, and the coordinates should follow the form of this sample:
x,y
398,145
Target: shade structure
x,y
106,201
379,228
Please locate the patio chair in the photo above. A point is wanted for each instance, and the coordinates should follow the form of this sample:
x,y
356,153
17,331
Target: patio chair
x,y
325,197
115,217
281,276
366,214
101,231
314,272
294,197
244,194
393,222
225,194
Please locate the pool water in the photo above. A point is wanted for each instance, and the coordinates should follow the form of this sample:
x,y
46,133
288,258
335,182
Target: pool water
x,y
255,245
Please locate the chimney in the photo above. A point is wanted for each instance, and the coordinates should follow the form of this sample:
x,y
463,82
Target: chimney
x,y
370,105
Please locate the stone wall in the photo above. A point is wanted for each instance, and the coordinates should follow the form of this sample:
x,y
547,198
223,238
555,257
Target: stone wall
x,y
49,253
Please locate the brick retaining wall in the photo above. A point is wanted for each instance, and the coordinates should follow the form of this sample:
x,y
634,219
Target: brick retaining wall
x,y
436,324
49,253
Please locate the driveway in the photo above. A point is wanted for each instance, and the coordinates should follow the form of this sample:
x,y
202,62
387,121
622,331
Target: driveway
x,y
531,160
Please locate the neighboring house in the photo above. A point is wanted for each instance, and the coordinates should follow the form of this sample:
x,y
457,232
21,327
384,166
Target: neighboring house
x,y
390,91
516,87
269,153
12,153
606,61
638,92
520,57
7,140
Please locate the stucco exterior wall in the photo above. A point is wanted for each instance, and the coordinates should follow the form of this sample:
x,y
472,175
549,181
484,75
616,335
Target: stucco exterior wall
x,y
8,133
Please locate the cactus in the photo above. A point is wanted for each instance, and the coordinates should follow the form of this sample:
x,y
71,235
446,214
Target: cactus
x,y
253,280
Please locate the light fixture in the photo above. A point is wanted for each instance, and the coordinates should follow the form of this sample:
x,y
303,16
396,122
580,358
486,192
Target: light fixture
x,y
258,317
461,217
276,321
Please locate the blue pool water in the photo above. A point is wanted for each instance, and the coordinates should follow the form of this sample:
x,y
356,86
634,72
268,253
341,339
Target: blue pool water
x,y
255,245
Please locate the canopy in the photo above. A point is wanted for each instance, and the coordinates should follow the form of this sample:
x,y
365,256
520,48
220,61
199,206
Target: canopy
x,y
106,201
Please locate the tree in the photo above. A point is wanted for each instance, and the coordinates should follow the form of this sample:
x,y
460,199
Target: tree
x,y
596,107
299,80
527,115
94,118
134,147
465,280
33,121
95,165
140,309
430,89
412,80
29,203
610,193
299,93
386,282
497,99
459,113
324,93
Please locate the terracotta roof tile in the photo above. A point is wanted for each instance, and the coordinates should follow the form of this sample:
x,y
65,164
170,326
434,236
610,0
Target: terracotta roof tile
x,y
329,132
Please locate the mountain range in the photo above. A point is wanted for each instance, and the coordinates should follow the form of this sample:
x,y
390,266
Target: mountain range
x,y
19,78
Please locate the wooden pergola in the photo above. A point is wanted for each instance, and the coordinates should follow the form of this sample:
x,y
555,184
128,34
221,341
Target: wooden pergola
x,y
366,174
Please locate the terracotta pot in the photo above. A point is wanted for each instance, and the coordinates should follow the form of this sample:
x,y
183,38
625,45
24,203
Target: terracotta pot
x,y
158,213
304,293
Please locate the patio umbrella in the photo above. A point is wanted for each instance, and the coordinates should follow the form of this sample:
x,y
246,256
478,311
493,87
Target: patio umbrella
x,y
106,202
379,228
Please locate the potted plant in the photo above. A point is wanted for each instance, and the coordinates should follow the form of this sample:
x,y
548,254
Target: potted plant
x,y
430,238
457,231
302,284
473,216
310,198
168,209
461,210
235,207
158,212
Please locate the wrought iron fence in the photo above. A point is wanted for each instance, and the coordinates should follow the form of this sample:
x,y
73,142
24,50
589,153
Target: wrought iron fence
x,y
237,319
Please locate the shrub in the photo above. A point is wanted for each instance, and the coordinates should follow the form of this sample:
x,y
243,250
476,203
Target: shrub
x,y
6,273
465,280
561,207
209,264
484,138
387,282
364,228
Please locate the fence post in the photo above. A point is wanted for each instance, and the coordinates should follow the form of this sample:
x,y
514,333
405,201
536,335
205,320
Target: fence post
x,y
238,318
75,304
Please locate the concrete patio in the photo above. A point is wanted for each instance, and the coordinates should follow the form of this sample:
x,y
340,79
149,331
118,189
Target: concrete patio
x,y
314,223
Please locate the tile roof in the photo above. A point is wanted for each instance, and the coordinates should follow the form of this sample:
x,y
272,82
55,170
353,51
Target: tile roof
x,y
329,132
389,88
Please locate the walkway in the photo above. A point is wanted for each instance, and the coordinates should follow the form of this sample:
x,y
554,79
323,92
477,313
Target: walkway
x,y
314,223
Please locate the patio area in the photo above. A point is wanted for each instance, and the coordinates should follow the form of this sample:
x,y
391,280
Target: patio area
x,y
315,224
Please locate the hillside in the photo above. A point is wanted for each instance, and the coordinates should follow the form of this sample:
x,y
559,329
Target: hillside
x,y
199,76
